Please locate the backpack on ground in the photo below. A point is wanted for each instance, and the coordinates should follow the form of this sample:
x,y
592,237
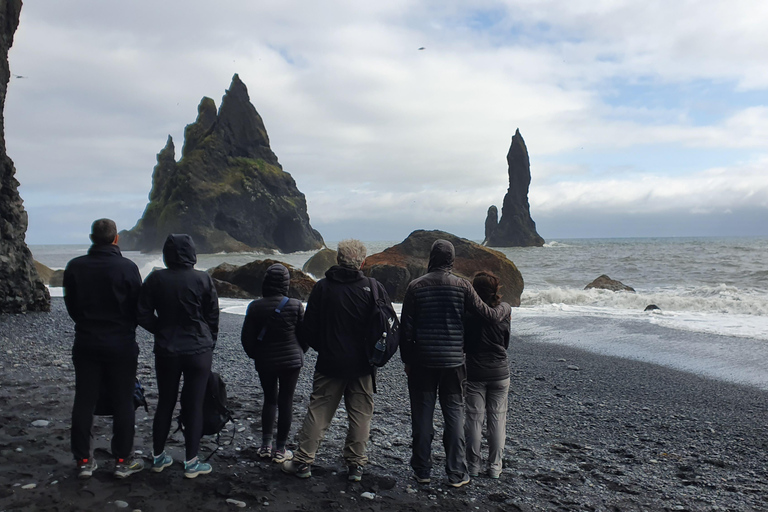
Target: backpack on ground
x,y
216,413
384,336
104,406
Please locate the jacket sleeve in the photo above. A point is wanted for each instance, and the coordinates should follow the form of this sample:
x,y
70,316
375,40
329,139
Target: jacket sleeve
x,y
311,329
407,335
211,310
134,280
475,304
70,295
145,311
249,333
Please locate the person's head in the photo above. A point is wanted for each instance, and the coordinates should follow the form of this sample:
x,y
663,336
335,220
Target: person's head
x,y
487,287
103,232
277,281
351,254
179,251
441,256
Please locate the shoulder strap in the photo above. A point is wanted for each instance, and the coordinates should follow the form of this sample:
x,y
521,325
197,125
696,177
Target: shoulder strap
x,y
374,289
278,309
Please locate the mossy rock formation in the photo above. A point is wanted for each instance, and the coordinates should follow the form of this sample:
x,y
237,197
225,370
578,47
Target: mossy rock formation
x,y
250,277
320,262
227,191
21,288
397,266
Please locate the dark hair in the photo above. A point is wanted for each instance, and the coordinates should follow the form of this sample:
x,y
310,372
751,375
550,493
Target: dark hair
x,y
487,287
103,232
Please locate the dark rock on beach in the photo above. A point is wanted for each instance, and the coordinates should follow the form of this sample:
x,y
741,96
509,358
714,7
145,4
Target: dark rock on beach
x,y
228,190
652,307
21,288
606,283
516,227
230,291
397,266
249,278
616,435
320,262
48,275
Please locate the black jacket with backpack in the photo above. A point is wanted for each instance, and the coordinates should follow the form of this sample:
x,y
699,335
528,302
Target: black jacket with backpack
x,y
279,349
433,313
337,322
101,291
179,304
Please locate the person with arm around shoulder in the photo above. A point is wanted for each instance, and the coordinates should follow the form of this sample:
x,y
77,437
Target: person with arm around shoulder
x,y
101,290
485,344
179,306
269,337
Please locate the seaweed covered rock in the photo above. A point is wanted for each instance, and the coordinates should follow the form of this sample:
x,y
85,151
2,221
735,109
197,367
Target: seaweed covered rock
x,y
397,266
227,191
250,277
516,227
320,262
21,288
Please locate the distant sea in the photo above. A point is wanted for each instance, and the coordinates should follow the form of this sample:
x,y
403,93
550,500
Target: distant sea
x,y
713,295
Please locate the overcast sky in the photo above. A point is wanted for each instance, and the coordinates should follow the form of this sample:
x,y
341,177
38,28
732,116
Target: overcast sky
x,y
642,118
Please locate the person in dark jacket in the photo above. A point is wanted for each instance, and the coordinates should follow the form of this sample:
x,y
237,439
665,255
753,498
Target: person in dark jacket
x,y
101,290
269,337
180,307
432,348
485,344
336,326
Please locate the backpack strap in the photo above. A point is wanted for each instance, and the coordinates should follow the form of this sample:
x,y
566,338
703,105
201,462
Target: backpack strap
x,y
278,309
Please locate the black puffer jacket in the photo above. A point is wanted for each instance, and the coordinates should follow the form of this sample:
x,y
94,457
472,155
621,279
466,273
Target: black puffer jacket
x,y
337,321
101,290
179,304
485,344
279,349
433,313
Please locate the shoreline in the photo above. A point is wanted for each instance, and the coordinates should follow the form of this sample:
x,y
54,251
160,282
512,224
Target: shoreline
x,y
614,433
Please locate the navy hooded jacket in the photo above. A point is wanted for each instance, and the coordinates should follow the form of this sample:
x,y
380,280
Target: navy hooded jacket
x,y
179,304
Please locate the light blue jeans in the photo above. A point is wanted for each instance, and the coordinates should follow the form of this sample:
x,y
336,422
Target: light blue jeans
x,y
486,401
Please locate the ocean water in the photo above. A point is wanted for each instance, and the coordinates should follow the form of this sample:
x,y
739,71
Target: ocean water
x,y
713,295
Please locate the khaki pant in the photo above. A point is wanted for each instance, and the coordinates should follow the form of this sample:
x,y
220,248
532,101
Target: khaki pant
x,y
325,398
486,401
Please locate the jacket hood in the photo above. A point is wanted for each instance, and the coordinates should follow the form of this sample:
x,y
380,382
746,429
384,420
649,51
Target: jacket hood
x,y
277,279
179,251
343,274
441,256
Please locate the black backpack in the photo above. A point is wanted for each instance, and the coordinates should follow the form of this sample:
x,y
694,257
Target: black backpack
x,y
384,336
104,404
216,414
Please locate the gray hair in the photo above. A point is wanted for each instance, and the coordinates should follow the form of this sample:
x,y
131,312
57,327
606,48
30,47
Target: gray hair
x,y
351,254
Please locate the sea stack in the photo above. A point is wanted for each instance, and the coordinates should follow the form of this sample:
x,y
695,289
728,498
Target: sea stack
x,y
227,191
516,227
21,288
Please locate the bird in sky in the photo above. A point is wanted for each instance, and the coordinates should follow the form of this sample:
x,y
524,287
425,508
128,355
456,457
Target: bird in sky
x,y
422,48
19,76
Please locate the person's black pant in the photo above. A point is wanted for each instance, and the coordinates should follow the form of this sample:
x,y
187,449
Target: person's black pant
x,y
119,376
279,388
196,368
423,386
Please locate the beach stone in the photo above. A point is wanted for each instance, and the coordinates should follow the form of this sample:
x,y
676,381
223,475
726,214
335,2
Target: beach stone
x,y
41,423
397,266
237,503
121,504
652,307
28,486
606,283
368,495
573,367
250,277
320,262
230,291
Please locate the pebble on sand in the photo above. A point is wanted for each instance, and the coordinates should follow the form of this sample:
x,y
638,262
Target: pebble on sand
x,y
368,495
29,486
121,504
41,423
236,503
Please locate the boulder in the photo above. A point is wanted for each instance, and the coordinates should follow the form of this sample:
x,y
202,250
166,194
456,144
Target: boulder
x,y
321,261
249,278
53,278
230,291
606,283
21,288
228,190
516,227
397,266
652,307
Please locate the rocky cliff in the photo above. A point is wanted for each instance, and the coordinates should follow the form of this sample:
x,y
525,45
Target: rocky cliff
x,y
228,190
516,227
21,289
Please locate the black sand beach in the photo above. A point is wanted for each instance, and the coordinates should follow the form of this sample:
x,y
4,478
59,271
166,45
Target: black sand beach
x,y
585,432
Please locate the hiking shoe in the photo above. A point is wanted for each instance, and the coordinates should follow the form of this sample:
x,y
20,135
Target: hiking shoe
x,y
282,455
265,451
355,473
458,481
194,467
86,467
125,468
422,478
160,462
292,467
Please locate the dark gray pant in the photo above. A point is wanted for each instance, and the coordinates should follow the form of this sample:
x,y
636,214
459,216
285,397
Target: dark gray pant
x,y
424,386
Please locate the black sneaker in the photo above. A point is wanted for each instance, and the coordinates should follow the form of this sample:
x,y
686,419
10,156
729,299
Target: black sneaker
x,y
422,478
86,467
458,481
355,473
125,468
